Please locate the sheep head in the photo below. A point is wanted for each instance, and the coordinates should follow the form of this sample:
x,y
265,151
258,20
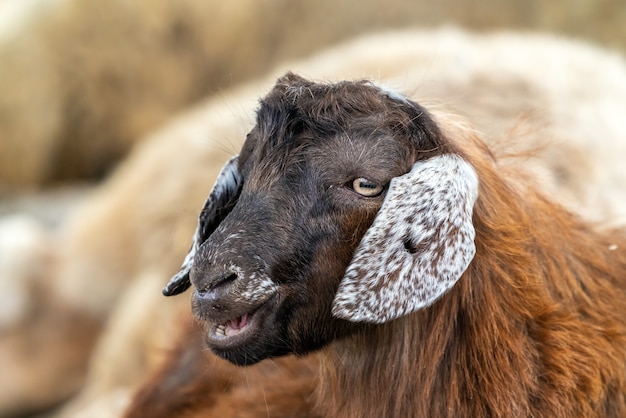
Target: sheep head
x,y
346,208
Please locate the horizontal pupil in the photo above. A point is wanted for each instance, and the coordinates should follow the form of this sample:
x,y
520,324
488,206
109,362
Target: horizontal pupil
x,y
367,184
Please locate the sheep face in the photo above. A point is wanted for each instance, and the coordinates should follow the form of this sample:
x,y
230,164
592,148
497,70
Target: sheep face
x,y
345,208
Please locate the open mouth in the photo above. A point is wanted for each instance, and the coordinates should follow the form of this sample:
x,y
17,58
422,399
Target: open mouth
x,y
232,326
239,330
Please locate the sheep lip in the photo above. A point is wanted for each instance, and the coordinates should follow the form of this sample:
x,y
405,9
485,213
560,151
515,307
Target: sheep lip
x,y
237,331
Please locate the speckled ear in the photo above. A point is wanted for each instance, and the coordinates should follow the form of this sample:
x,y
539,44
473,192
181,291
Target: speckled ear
x,y
222,198
419,245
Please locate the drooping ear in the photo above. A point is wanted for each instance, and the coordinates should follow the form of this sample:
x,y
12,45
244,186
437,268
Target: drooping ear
x,y
419,245
221,200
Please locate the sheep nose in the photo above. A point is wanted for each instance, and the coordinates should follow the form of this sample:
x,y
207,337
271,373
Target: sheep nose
x,y
216,297
217,287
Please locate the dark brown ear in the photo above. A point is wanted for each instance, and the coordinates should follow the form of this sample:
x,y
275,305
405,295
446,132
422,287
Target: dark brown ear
x,y
219,203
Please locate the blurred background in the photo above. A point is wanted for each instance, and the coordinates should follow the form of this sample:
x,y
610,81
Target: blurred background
x,y
84,82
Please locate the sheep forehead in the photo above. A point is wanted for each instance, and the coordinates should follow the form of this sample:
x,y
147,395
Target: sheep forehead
x,y
294,92
357,108
363,147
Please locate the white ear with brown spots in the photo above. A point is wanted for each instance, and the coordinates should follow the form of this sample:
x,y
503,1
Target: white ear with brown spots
x,y
419,245
219,203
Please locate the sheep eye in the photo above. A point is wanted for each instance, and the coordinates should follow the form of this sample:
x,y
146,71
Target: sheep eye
x,y
366,188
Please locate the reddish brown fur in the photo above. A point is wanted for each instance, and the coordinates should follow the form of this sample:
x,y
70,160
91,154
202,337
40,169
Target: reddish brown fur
x,y
536,327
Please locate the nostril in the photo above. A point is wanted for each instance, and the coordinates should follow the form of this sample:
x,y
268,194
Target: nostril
x,y
216,284
228,279
215,295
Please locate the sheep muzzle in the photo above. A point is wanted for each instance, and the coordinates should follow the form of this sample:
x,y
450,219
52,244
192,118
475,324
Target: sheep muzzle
x,y
225,293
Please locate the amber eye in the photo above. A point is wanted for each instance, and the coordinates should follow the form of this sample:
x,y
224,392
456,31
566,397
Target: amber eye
x,y
366,188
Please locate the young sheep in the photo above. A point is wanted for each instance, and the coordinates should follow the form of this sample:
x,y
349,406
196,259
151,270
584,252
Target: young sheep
x,y
435,279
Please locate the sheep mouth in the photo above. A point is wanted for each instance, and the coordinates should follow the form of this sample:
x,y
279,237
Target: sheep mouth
x,y
237,331
232,327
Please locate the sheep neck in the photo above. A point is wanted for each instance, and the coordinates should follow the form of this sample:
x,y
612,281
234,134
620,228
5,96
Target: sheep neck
x,y
437,362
